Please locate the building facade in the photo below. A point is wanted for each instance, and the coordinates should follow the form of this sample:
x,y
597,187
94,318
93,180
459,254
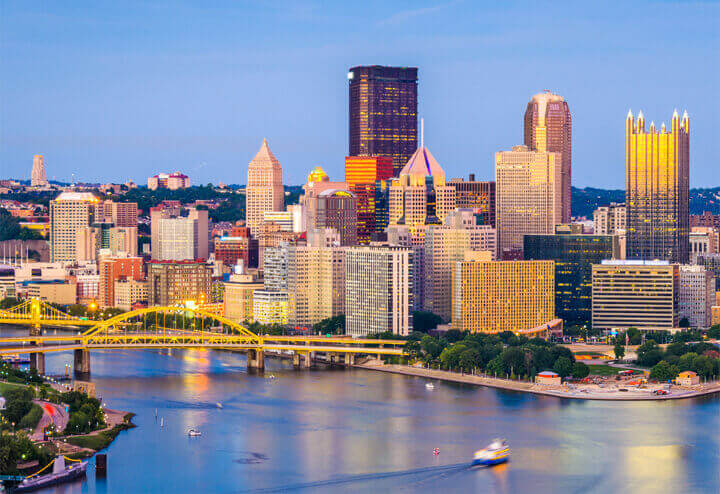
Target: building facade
x,y
573,256
696,295
270,307
378,290
174,282
179,238
528,196
232,250
171,181
69,212
445,245
635,293
704,240
37,175
610,220
495,296
476,195
129,292
657,189
238,299
711,262
548,128
264,190
383,112
113,269
363,175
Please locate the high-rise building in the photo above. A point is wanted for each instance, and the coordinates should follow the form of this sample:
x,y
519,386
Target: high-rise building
x,y
69,212
383,112
231,250
610,220
711,262
705,219
696,295
574,256
378,290
113,269
476,195
275,268
446,245
635,293
316,284
113,241
527,185
37,175
270,307
129,292
179,238
171,181
363,175
173,282
264,190
548,128
494,296
330,205
703,240
657,189
120,214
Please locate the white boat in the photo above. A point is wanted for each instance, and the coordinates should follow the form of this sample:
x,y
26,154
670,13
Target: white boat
x,y
218,404
162,422
194,433
430,386
497,452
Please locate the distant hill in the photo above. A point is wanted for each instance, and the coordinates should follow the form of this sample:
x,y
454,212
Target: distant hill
x,y
586,200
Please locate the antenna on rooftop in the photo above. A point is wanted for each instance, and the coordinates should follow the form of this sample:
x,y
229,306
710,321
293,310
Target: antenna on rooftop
x,y
422,132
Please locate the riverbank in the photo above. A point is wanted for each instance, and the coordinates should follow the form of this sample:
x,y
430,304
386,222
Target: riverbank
x,y
578,392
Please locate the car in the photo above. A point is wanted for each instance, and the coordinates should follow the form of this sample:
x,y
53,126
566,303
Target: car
x,y
661,392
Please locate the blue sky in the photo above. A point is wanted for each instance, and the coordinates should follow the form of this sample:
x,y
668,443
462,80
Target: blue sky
x,y
114,90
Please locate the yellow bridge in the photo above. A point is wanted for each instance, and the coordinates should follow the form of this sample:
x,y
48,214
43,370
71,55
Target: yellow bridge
x,y
178,327
37,313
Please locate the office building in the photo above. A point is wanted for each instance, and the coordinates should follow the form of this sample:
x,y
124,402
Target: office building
x,y
120,214
696,295
330,205
238,298
363,175
175,282
711,262
170,181
37,175
61,292
383,112
476,195
703,240
275,268
657,189
548,128
264,190
378,290
445,245
610,220
528,198
315,284
494,296
178,238
113,269
705,219
573,256
69,212
107,239
270,307
129,292
635,293
232,250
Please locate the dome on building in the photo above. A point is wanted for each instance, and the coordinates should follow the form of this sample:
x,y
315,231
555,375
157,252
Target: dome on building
x,y
318,175
423,163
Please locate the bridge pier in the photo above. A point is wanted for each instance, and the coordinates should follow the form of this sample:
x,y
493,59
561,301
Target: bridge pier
x,y
255,359
37,362
82,363
35,330
302,360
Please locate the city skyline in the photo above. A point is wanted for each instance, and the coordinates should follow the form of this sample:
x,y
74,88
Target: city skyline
x,y
213,134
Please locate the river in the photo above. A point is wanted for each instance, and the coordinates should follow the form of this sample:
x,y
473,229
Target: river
x,y
361,431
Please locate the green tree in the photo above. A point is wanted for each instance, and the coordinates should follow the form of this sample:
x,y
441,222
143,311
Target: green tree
x,y
684,323
714,332
662,371
563,366
634,336
619,351
18,402
649,354
580,370
469,359
424,321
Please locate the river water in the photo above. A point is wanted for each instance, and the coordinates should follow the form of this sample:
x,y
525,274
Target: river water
x,y
365,431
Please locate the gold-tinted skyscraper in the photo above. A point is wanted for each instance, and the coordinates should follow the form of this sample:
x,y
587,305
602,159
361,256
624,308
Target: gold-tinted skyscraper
x,y
548,128
264,190
657,169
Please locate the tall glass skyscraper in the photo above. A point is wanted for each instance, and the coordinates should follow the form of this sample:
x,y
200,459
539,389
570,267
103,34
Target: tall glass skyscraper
x,y
383,113
658,186
548,128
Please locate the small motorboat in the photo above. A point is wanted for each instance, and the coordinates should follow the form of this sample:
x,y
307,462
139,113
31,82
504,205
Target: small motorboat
x,y
218,404
429,386
194,433
497,452
436,451
59,475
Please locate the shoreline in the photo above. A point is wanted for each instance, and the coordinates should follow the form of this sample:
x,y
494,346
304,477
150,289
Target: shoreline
x,y
538,389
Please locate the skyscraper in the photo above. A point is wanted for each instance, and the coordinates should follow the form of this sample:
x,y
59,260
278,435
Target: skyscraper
x,y
383,113
69,212
264,190
363,175
37,176
527,195
657,189
548,128
476,195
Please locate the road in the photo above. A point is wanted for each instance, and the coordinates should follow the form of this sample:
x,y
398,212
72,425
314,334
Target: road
x,y
52,414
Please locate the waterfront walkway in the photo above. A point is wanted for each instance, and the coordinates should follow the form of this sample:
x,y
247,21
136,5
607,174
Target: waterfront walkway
x,y
589,392
52,414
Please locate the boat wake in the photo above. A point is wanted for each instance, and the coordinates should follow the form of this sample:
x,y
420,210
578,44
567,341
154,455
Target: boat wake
x,y
423,475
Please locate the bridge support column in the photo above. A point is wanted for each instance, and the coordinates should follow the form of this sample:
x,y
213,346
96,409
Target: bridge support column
x,y
82,363
35,330
255,359
302,360
37,362
349,359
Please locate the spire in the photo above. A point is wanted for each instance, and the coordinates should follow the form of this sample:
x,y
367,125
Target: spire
x,y
662,128
630,115
422,132
675,114
264,155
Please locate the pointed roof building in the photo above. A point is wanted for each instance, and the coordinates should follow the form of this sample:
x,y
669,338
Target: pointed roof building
x,y
423,163
264,190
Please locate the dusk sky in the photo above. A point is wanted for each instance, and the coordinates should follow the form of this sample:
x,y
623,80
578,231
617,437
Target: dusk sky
x,y
110,91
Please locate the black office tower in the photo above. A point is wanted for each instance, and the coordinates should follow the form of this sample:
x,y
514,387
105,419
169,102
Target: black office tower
x,y
383,113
